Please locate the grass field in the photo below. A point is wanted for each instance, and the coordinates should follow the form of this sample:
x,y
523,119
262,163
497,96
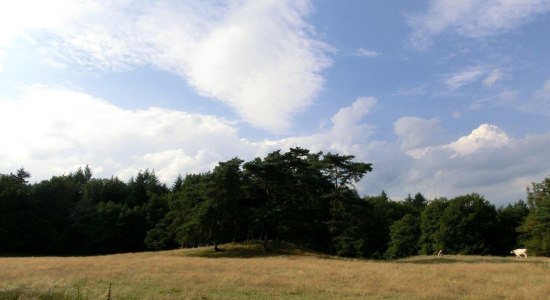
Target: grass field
x,y
243,272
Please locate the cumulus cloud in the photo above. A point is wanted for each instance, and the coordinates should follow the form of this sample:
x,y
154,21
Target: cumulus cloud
x,y
261,62
54,131
414,132
487,161
259,57
484,137
51,131
471,18
348,134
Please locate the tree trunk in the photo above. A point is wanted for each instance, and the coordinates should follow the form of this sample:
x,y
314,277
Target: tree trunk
x,y
266,249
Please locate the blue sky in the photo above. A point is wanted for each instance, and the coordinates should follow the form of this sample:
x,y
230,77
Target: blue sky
x,y
443,97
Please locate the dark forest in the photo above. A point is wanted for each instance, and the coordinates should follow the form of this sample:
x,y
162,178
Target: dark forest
x,y
304,198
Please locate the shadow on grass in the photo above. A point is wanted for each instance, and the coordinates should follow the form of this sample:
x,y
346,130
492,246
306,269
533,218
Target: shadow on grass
x,y
30,293
452,259
251,250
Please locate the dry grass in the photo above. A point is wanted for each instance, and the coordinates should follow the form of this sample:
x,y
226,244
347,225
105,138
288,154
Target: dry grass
x,y
240,273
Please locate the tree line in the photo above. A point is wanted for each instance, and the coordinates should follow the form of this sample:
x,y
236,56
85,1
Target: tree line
x,y
305,198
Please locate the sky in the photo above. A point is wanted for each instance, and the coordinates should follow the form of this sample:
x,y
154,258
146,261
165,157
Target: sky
x,y
443,97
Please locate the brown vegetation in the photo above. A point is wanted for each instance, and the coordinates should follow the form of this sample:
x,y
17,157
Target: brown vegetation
x,y
236,273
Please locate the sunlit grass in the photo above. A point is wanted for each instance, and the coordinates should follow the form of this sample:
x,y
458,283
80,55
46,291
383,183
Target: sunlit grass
x,y
243,271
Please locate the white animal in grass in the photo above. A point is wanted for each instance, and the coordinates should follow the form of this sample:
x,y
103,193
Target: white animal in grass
x,y
519,253
440,253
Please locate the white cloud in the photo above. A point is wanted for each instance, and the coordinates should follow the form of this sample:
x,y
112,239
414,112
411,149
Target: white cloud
x,y
487,75
349,116
53,131
463,77
259,57
484,137
545,90
262,62
420,90
414,132
504,98
348,133
471,74
456,115
537,103
362,52
486,161
493,77
19,16
541,103
472,18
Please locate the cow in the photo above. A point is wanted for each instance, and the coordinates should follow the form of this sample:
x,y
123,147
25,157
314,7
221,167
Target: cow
x,y
519,253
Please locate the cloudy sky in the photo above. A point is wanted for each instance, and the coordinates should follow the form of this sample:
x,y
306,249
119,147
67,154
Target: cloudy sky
x,y
444,97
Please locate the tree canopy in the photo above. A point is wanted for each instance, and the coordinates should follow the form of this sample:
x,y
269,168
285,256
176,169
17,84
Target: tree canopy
x,y
537,224
297,196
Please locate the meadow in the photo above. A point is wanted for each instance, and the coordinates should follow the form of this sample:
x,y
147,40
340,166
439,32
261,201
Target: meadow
x,y
242,271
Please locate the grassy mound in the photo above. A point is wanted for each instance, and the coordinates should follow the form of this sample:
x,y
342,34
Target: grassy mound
x,y
252,250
